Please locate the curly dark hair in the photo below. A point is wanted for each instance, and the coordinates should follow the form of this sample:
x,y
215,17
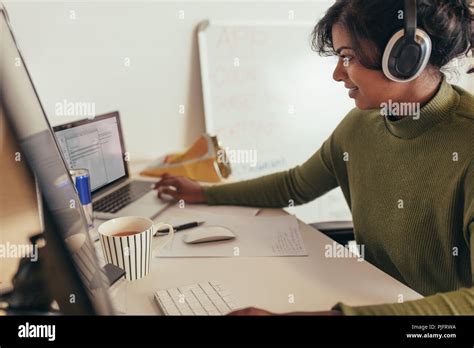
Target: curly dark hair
x,y
449,23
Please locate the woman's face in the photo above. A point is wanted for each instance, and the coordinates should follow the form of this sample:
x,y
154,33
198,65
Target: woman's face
x,y
369,88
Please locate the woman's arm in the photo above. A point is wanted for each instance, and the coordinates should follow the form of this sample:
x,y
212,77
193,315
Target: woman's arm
x,y
318,175
459,302
298,185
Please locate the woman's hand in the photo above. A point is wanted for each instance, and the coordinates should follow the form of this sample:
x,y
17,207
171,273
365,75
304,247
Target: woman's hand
x,y
180,187
258,311
251,311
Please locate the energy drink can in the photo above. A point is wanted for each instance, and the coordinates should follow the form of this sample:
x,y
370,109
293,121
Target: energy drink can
x,y
82,182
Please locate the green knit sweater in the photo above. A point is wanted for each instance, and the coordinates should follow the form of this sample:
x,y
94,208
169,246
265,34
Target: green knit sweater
x,y
410,187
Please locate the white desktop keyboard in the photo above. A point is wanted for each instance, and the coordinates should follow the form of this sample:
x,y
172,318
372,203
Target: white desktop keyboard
x,y
207,298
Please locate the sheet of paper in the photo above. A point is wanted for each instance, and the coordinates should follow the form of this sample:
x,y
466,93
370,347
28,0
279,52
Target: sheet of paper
x,y
218,209
255,237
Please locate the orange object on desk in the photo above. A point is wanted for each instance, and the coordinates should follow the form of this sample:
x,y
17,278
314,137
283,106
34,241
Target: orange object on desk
x,y
201,162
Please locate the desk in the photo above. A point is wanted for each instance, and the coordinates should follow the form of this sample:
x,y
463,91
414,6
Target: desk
x,y
315,282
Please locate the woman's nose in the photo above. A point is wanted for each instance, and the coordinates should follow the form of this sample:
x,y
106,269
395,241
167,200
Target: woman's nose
x,y
339,73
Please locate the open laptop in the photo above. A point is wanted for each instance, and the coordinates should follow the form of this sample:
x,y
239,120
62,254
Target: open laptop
x,y
97,145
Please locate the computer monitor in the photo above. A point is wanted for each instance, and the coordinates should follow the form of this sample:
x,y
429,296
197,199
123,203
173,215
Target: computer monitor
x,y
76,281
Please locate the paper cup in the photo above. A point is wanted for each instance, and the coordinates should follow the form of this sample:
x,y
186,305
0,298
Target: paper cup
x,y
132,252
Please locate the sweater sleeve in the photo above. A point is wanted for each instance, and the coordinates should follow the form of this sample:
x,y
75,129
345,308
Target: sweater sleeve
x,y
300,185
459,302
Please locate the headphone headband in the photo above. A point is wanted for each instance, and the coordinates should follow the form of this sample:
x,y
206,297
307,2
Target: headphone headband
x,y
410,20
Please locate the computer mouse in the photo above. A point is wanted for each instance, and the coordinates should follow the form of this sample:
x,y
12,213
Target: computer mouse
x,y
207,234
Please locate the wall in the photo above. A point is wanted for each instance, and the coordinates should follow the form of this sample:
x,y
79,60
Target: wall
x,y
84,60
141,58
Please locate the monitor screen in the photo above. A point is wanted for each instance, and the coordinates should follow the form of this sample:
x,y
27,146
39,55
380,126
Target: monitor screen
x,y
95,145
78,279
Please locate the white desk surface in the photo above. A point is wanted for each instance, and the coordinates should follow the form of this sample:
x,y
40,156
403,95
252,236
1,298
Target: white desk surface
x,y
315,282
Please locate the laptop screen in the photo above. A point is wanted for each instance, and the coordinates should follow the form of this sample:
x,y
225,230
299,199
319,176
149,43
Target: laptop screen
x,y
96,145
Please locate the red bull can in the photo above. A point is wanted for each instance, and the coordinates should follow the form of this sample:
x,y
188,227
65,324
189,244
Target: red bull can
x,y
82,183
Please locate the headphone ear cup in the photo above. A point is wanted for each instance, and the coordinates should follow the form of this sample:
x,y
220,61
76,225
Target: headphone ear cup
x,y
404,61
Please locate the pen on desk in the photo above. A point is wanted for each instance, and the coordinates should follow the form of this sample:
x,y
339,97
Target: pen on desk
x,y
180,227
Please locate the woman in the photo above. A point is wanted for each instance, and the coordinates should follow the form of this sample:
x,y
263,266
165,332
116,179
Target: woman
x,y
409,181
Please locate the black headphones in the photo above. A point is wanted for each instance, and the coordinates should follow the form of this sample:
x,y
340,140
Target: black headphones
x,y
408,51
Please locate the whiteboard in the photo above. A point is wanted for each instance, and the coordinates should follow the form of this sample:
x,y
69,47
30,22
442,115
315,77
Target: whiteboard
x,y
265,90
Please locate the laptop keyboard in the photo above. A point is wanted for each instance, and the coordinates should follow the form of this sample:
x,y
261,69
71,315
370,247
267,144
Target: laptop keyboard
x,y
125,195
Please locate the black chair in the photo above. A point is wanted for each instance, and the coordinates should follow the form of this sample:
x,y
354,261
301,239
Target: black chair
x,y
340,231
